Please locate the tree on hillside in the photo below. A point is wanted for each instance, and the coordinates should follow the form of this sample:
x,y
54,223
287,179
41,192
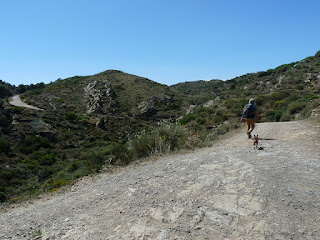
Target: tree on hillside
x,y
4,92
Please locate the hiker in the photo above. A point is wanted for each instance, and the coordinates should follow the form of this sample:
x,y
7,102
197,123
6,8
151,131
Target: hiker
x,y
250,114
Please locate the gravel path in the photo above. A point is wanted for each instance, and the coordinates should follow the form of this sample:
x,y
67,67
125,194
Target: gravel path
x,y
227,191
16,101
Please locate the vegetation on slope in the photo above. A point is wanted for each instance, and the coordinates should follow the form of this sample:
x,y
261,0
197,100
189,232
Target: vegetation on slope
x,y
115,118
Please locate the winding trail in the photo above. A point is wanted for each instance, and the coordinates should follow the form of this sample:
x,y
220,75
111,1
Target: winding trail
x,y
16,101
227,191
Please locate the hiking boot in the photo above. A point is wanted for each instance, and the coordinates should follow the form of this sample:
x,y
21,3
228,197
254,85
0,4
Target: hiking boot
x,y
249,134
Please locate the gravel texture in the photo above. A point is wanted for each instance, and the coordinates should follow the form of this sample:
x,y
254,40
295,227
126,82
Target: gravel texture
x,y
228,191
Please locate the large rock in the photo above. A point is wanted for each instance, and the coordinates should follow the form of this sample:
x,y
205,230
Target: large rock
x,y
98,96
147,108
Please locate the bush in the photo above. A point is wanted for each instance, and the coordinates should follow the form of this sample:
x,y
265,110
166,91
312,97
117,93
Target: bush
x,y
167,137
285,117
236,104
3,197
36,142
4,146
174,135
296,107
96,161
59,100
35,92
274,115
201,121
43,158
19,171
142,145
310,97
278,114
59,183
4,121
71,116
121,155
16,109
187,118
300,87
4,92
279,105
277,96
192,141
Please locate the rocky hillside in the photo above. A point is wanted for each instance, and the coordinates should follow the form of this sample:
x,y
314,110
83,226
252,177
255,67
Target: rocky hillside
x,y
82,119
284,93
89,121
118,102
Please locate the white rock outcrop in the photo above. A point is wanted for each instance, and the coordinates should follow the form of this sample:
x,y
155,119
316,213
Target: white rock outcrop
x,y
94,92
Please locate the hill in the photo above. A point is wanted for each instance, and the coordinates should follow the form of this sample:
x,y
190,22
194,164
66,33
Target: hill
x,y
285,93
115,118
83,119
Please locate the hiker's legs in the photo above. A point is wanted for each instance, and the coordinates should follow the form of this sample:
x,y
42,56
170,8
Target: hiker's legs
x,y
250,125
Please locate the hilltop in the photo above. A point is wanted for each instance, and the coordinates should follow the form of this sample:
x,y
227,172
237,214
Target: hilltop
x,y
114,118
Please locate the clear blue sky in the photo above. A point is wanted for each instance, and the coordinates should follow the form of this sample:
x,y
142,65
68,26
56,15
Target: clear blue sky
x,y
167,41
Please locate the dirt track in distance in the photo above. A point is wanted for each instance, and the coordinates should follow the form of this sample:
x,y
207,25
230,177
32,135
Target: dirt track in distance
x,y
16,101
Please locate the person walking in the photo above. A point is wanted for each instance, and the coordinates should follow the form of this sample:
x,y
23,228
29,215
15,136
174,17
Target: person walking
x,y
250,115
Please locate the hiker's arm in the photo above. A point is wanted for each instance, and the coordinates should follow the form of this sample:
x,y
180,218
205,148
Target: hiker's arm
x,y
257,118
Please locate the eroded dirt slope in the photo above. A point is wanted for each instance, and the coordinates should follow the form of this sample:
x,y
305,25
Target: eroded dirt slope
x,y
227,191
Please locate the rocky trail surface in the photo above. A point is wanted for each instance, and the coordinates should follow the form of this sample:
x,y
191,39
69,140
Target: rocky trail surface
x,y
227,191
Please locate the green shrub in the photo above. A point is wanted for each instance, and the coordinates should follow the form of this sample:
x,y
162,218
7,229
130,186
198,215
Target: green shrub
x,y
121,155
310,97
201,121
273,115
296,107
74,165
35,92
4,121
285,117
71,116
102,123
4,92
36,142
300,87
278,115
279,105
277,96
59,100
142,145
20,171
263,99
167,137
4,146
16,109
173,134
3,197
187,118
96,161
59,183
43,158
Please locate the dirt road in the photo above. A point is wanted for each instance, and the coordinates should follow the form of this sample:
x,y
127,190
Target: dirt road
x,y
227,191
16,101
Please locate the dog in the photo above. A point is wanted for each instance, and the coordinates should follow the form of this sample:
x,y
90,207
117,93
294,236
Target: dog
x,y
255,141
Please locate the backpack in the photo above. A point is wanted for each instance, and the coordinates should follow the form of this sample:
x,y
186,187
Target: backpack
x,y
248,111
